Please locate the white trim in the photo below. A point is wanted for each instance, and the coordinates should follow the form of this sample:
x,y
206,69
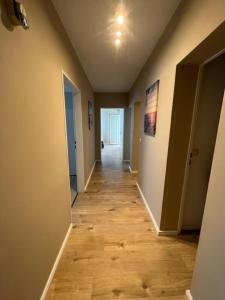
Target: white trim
x,y
188,295
158,231
148,208
133,171
122,145
92,170
51,275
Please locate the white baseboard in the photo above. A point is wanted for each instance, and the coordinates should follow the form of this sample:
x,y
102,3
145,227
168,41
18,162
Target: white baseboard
x,y
55,264
92,170
133,171
188,295
148,209
158,231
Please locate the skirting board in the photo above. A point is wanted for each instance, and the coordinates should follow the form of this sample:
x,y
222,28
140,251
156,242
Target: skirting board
x,y
55,264
188,295
132,171
158,231
92,170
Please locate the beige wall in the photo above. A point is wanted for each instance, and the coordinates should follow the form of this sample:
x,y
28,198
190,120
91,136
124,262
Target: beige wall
x,y
183,34
135,135
107,100
34,184
209,274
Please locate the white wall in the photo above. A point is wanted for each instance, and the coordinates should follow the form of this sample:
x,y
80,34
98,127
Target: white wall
x,y
105,126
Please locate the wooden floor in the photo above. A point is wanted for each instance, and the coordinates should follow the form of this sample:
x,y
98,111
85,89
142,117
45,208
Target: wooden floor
x,y
113,251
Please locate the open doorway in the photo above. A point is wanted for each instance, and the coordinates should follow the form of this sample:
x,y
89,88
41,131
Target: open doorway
x,y
135,137
208,103
112,134
74,137
182,153
71,137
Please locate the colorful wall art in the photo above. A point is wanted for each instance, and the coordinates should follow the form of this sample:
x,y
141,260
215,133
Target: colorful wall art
x,y
151,109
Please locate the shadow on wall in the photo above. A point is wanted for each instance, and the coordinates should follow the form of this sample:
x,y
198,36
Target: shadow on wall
x,y
4,10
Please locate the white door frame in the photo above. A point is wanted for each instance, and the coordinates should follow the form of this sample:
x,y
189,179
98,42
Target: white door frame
x,y
123,109
78,132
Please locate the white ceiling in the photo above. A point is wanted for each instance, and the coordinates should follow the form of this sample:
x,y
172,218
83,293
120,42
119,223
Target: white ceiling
x,y
91,27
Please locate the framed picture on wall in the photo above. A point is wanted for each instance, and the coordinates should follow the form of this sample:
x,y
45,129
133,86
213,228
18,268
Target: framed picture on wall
x,y
90,115
151,103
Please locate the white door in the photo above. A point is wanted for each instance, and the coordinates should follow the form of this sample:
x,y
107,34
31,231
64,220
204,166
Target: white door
x,y
114,129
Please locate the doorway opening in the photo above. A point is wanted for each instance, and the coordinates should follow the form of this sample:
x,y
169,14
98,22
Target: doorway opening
x,y
135,137
74,137
71,137
112,134
206,116
182,154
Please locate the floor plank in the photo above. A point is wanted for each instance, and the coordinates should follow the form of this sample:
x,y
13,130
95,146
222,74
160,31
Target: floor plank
x,y
113,251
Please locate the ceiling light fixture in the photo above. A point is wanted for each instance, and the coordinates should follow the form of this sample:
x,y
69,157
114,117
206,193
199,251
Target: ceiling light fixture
x,y
117,42
118,33
120,19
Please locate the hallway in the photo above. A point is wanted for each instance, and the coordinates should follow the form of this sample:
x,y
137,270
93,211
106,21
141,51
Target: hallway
x,y
113,251
145,79
112,153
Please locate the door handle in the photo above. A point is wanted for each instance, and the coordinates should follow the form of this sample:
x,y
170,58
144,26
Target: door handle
x,y
194,152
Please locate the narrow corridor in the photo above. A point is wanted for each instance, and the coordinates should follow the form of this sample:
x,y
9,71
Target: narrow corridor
x,y
112,154
113,251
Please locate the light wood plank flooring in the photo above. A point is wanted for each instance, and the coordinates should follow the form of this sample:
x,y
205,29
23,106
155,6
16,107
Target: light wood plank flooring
x,y
113,251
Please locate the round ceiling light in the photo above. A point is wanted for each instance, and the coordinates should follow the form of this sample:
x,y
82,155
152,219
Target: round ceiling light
x,y
118,33
117,42
120,19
